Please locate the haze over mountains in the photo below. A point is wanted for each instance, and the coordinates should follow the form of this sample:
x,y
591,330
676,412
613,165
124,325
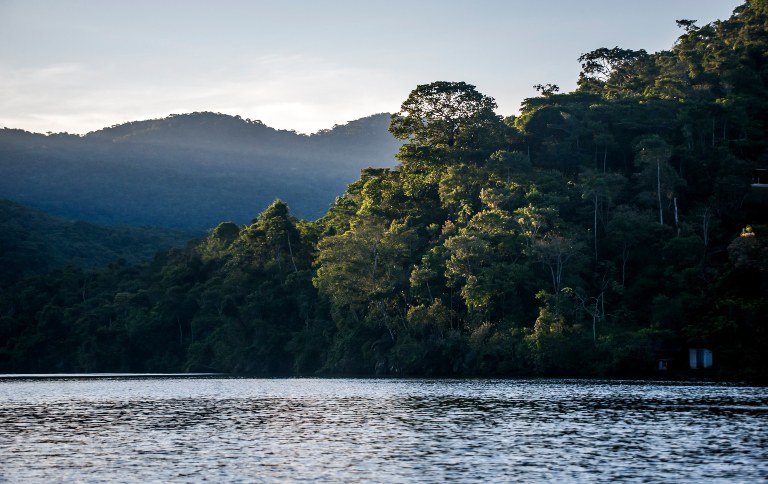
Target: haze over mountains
x,y
188,171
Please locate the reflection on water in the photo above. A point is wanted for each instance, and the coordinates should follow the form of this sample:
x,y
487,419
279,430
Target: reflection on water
x,y
345,430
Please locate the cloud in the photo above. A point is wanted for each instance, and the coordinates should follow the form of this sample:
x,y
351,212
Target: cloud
x,y
288,92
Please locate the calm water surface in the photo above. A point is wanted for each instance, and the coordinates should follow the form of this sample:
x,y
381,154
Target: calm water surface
x,y
222,429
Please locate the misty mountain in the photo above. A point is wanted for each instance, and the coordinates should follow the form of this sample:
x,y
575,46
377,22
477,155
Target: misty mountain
x,y
188,171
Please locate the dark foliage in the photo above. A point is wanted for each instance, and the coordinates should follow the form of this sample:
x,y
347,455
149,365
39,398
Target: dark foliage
x,y
32,242
594,234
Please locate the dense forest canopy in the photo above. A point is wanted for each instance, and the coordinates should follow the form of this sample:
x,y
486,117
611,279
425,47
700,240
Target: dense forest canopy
x,y
33,242
187,171
597,233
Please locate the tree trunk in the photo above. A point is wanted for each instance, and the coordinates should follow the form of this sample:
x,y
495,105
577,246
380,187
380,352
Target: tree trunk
x,y
705,221
624,260
290,251
658,190
595,224
677,221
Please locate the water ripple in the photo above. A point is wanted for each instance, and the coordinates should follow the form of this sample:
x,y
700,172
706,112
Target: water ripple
x,y
382,430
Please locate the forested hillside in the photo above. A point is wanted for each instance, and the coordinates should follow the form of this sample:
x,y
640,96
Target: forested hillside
x,y
187,171
33,242
596,233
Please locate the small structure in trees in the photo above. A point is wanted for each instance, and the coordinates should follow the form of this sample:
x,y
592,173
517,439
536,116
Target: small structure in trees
x,y
699,358
760,177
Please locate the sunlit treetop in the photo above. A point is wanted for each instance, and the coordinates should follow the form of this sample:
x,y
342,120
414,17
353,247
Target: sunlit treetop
x,y
436,113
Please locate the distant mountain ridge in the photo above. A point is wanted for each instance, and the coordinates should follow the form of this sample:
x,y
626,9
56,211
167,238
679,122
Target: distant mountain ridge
x,y
188,171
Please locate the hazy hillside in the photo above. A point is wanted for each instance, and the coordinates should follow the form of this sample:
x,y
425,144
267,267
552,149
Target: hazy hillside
x,y
188,171
33,242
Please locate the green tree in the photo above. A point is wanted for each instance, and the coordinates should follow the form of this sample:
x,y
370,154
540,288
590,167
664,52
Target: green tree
x,y
448,116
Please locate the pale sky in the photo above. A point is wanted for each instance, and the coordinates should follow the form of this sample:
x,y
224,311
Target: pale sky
x,y
80,65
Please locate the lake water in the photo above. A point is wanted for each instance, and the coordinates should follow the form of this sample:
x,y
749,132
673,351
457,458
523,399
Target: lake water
x,y
230,429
